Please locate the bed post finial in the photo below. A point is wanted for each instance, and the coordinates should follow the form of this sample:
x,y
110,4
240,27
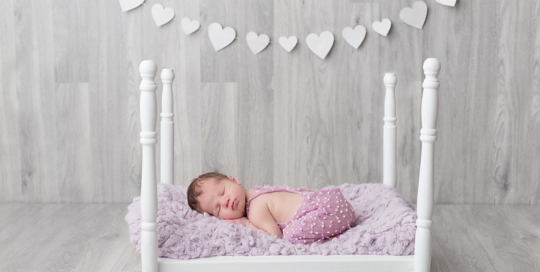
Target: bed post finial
x,y
167,128
390,132
149,246
428,135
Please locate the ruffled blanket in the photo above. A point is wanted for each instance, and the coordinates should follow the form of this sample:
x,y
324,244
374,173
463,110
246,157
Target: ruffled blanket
x,y
385,225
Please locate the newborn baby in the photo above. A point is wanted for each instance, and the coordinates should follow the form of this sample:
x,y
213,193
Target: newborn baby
x,y
297,215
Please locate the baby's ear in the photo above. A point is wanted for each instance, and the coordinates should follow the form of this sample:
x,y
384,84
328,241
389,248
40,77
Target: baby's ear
x,y
235,180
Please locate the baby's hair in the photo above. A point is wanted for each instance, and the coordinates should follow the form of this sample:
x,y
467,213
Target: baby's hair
x,y
195,189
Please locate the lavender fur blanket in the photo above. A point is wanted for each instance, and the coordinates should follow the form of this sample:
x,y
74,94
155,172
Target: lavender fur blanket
x,y
385,225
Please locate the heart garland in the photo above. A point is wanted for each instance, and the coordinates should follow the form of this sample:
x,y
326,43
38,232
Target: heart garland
x,y
382,27
320,45
162,15
354,37
130,4
288,43
190,26
450,3
257,43
415,16
220,37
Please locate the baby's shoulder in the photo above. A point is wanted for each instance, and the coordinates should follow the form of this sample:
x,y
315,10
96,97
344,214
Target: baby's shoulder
x,y
260,200
269,200
258,205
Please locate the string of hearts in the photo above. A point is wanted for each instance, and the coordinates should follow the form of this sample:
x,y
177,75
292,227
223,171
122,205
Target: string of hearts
x,y
320,45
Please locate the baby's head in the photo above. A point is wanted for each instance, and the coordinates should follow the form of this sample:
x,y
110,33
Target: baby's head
x,y
218,195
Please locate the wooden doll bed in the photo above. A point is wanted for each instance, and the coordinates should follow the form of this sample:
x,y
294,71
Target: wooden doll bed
x,y
420,261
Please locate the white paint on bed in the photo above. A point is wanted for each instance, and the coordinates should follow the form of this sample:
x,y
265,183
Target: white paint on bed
x,y
312,263
291,263
167,128
390,132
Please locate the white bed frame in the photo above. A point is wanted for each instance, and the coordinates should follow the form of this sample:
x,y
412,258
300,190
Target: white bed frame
x,y
419,262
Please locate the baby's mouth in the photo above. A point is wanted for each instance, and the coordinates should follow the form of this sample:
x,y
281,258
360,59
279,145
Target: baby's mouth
x,y
234,204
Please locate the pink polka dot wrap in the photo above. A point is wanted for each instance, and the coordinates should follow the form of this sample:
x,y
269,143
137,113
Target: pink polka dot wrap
x,y
322,214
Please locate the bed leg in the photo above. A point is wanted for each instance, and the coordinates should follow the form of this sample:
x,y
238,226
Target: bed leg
x,y
149,244
428,134
167,128
390,132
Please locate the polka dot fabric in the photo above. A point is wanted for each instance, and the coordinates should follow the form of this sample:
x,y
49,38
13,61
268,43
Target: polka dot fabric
x,y
322,214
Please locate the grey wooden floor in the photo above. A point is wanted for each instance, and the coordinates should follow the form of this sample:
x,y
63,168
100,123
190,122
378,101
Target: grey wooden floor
x,y
94,237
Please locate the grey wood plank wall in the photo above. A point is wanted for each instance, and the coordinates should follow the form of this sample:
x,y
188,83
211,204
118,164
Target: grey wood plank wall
x,y
69,97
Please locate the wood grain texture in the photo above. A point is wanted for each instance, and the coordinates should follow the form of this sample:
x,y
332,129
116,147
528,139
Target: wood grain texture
x,y
254,96
10,154
63,237
187,119
218,127
486,238
75,159
109,249
71,53
220,66
69,97
533,122
38,180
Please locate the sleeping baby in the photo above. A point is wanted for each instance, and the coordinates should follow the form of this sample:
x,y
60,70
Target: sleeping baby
x,y
297,215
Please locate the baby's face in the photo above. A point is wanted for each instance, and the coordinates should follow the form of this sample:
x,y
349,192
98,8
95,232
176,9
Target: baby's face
x,y
224,198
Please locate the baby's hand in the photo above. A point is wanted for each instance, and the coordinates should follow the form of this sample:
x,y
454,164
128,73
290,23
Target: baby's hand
x,y
239,221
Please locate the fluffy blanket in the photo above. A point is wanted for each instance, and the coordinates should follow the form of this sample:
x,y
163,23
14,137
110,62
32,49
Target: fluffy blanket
x,y
385,225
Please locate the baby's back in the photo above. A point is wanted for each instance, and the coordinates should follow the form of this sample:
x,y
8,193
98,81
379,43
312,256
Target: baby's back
x,y
282,205
317,214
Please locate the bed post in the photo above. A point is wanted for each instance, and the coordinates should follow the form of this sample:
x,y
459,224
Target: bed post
x,y
167,128
428,134
390,132
149,245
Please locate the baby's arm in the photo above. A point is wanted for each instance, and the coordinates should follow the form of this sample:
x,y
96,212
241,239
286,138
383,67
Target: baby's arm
x,y
261,218
244,222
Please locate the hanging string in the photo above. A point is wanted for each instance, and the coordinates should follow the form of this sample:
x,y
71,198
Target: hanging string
x,y
235,30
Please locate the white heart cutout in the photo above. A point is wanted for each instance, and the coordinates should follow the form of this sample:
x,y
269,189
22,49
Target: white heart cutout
x,y
190,26
257,43
450,3
320,45
354,37
415,16
130,4
162,15
288,43
220,37
382,27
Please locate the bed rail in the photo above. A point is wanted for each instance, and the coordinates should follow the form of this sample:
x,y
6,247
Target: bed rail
x,y
428,134
390,132
149,245
167,128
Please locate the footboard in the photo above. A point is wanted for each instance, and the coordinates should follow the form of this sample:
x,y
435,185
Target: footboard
x,y
428,134
147,69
